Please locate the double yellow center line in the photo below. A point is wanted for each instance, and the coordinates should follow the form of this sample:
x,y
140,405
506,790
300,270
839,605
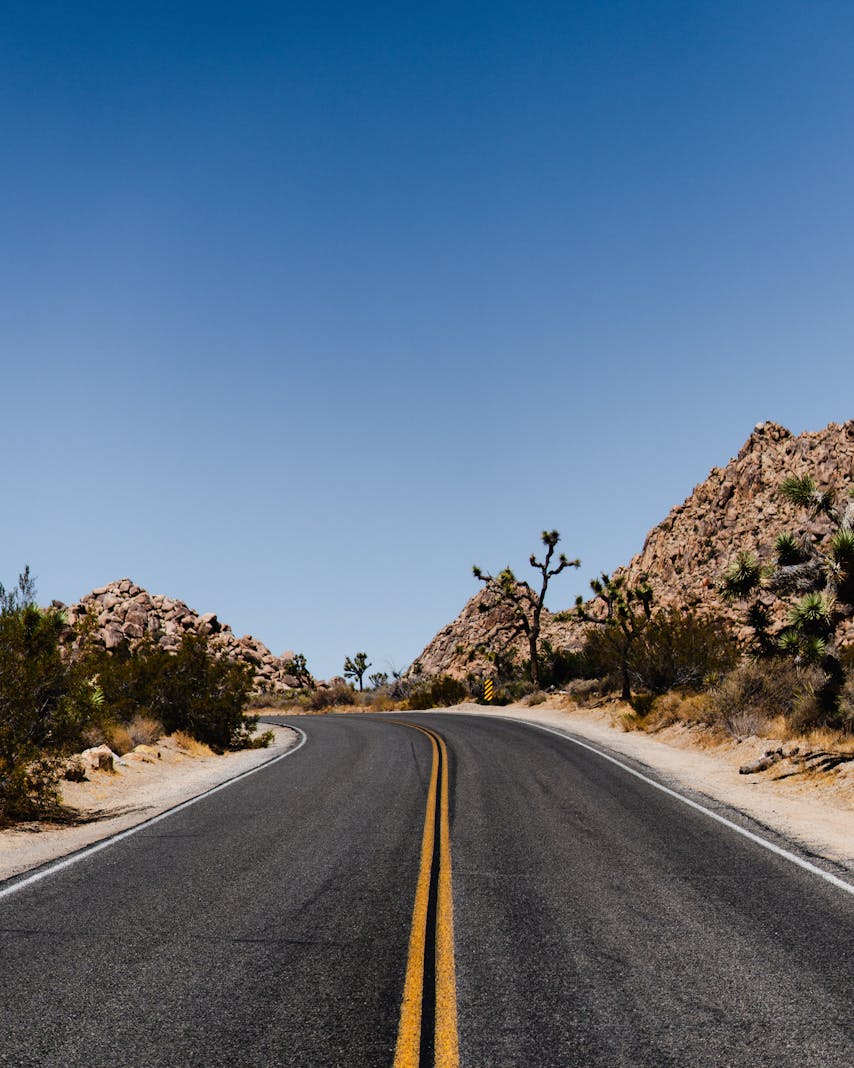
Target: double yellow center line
x,y
431,939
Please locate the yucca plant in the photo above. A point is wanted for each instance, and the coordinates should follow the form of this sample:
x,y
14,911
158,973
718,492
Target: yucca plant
x,y
813,614
789,550
812,574
742,577
804,493
842,548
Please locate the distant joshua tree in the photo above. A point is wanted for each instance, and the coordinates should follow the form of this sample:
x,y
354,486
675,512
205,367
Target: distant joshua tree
x,y
525,604
356,667
297,666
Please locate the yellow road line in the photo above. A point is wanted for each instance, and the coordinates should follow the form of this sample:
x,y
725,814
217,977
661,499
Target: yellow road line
x,y
446,1041
447,1049
407,1051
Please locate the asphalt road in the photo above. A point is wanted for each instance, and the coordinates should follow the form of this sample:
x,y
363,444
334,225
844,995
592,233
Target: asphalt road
x,y
596,921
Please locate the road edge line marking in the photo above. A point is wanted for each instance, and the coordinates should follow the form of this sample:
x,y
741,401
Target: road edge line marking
x,y
758,839
87,851
407,1052
446,1039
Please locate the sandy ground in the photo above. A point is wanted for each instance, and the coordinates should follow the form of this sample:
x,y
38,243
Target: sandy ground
x,y
813,810
144,786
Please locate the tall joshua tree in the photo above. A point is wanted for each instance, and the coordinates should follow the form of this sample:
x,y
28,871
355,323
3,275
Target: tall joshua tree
x,y
525,604
813,575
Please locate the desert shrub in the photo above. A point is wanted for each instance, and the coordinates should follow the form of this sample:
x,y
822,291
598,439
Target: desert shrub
x,y
191,690
329,697
128,679
118,738
674,649
205,695
584,689
378,700
144,730
681,649
559,666
601,656
36,719
437,693
274,699
642,704
536,698
846,703
756,692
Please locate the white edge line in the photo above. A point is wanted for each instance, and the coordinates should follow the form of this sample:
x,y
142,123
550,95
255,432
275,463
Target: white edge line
x,y
793,857
105,843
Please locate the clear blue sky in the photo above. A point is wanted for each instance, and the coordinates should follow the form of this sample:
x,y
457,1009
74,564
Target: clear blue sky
x,y
306,308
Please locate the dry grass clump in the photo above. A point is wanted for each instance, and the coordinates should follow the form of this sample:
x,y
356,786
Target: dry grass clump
x,y
581,690
145,730
123,737
188,744
677,707
383,703
752,697
118,738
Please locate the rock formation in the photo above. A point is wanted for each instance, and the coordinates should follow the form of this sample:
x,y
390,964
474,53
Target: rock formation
x,y
123,611
736,508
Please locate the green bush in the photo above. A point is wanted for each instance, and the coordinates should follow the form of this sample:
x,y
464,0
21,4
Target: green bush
x,y
36,719
680,649
204,695
437,693
191,690
560,666
676,649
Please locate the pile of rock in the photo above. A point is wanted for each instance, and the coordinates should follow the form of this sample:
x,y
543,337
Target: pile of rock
x,y
737,508
124,612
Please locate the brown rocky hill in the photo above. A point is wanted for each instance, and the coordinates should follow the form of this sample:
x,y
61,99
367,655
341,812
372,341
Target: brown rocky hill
x,y
123,611
736,508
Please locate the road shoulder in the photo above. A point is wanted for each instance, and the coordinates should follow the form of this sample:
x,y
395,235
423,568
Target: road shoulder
x,y
136,791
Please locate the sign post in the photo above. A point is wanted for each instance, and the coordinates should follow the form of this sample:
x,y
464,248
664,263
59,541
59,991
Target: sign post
x,y
488,690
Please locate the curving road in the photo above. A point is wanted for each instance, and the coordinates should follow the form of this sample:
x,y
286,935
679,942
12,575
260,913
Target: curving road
x,y
595,921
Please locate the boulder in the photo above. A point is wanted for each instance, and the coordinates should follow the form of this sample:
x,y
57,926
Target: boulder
x,y
99,758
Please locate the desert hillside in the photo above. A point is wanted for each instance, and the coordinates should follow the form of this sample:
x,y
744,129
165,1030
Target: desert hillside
x,y
735,508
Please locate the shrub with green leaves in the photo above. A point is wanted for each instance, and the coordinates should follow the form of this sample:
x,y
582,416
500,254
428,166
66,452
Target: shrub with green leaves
x,y
35,717
680,649
204,695
437,693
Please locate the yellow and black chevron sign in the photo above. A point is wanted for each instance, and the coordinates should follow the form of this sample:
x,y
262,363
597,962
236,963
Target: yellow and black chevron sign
x,y
488,690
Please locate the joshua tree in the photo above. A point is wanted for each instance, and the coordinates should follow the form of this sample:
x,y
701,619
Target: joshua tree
x,y
297,666
378,679
628,610
813,574
525,604
356,667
